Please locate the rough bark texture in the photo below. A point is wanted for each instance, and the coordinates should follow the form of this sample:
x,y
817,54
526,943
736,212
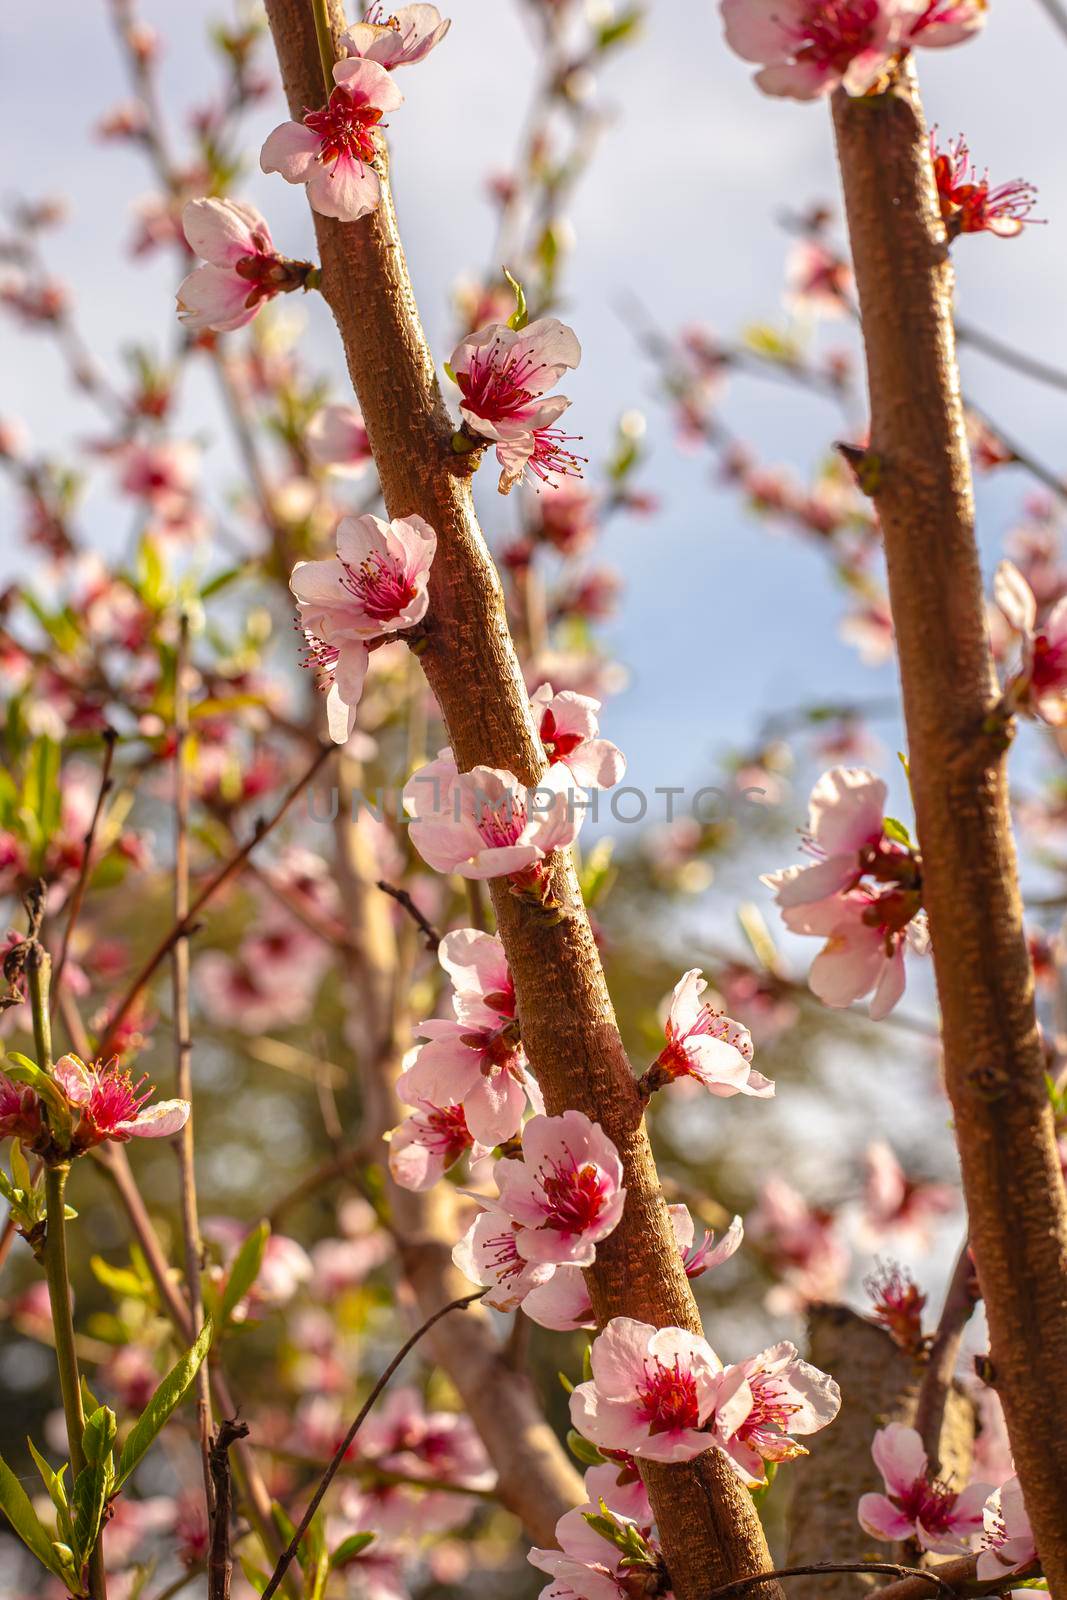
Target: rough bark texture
x,y
879,1384
709,1528
535,1477
993,1061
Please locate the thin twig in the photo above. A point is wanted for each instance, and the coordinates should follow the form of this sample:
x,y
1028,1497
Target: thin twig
x,y
230,869
1056,13
86,865
812,1569
183,1046
220,1561
1018,360
960,1300
401,896
343,1448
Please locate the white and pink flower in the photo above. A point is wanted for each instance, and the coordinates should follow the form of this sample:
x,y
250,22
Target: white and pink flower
x,y
333,150
789,1396
896,1206
706,1045
483,991
374,587
503,377
107,1104
1008,1541
566,1194
914,1506
241,270
400,38
1040,685
808,47
482,1069
489,1253
612,1564
659,1393
486,824
569,730
429,1142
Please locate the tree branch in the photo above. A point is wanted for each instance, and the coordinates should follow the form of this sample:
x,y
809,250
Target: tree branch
x,y
709,1528
961,1299
993,1060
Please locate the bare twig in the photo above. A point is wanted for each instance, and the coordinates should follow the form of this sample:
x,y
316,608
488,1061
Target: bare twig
x,y
342,1449
960,1300
220,1561
1008,356
230,869
401,896
924,1578
86,865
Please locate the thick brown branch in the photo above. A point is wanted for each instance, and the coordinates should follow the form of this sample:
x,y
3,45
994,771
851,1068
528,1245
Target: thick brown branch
x,y
993,1060
709,1528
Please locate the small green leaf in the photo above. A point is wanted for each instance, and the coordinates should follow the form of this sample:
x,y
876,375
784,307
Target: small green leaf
x,y
244,1272
167,1398
351,1547
520,316
317,1560
57,1489
896,830
88,1498
582,1449
120,1280
99,1436
566,1382
450,372
620,29
15,1504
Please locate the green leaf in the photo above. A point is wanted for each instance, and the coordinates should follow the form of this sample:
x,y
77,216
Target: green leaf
x,y
244,1272
317,1560
15,1504
566,1382
120,1280
351,1547
20,1167
20,1069
620,29
583,1451
57,1489
896,830
99,1436
88,1498
520,316
167,1398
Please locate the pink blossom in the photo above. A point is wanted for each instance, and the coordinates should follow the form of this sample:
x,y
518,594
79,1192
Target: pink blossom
x,y
789,1396
426,1144
706,1045
482,1069
398,39
845,829
234,993
566,1194
563,1303
503,376
285,1267
489,1253
333,150
897,1305
242,269
809,47
968,202
485,823
483,991
376,585
401,1435
20,1112
866,936
336,437
567,723
894,1204
914,1506
1009,1540
659,1393
108,1105
589,1565
817,281
1040,685
162,474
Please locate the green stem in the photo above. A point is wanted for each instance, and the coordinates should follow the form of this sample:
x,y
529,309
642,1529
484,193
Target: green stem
x,y
324,34
38,975
57,1273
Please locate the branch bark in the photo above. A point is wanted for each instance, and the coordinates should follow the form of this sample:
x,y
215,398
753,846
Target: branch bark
x,y
993,1062
709,1529
879,1384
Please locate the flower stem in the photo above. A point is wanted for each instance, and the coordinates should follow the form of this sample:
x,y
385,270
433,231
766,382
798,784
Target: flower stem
x,y
324,34
38,977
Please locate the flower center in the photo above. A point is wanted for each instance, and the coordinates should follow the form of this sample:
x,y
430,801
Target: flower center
x,y
834,32
495,385
668,1398
446,1127
551,458
344,128
557,745
381,585
770,1407
502,824
115,1098
504,1257
575,1196
932,1504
